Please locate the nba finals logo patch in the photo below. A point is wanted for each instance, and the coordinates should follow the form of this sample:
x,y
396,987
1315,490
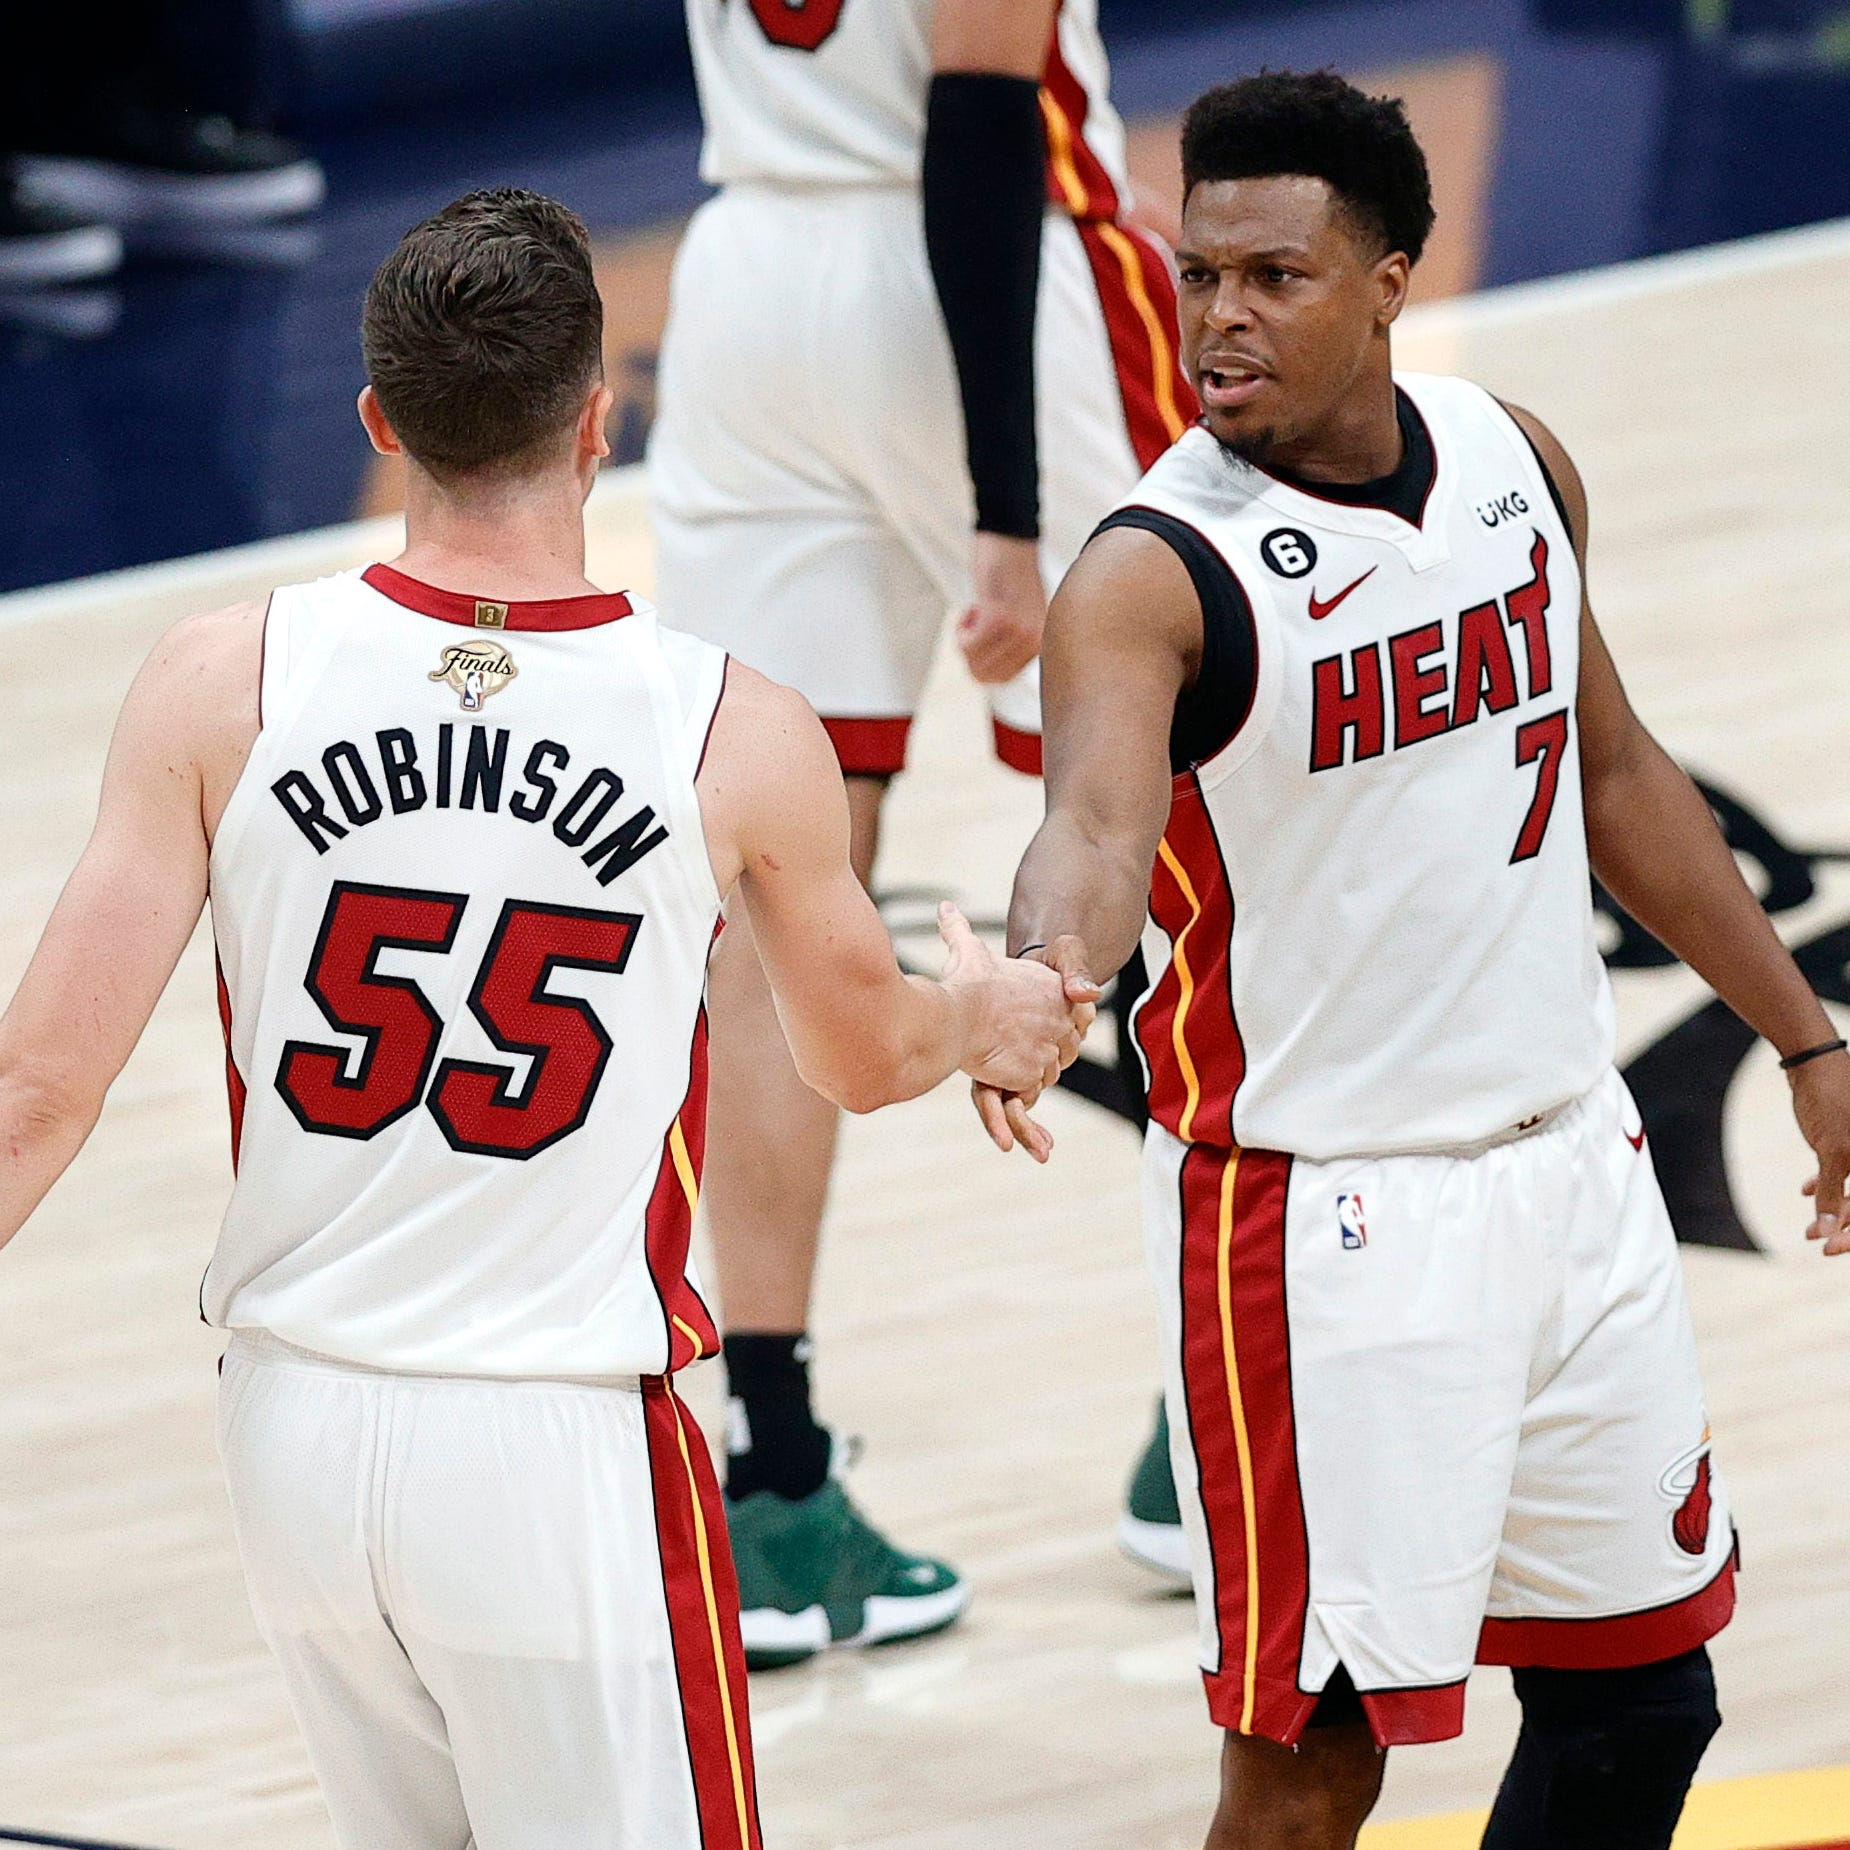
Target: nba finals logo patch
x,y
475,670
1349,1219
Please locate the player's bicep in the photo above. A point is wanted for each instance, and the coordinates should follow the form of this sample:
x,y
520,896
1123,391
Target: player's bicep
x,y
1123,637
824,949
1006,37
1612,737
126,912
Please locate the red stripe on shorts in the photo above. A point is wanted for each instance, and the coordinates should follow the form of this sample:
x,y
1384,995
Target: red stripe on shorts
x,y
234,1080
1020,751
1138,296
1236,1367
668,1226
1411,1717
702,1593
1187,1028
869,747
1616,1643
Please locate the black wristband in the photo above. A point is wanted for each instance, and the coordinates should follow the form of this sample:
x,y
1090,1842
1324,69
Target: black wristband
x,y
1812,1053
985,191
1026,948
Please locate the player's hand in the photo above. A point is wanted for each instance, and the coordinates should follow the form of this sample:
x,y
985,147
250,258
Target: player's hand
x,y
1004,1113
1025,1031
1821,1103
1000,634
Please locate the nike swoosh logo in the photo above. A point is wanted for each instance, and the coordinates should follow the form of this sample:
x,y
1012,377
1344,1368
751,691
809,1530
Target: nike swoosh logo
x,y
1637,1142
1319,609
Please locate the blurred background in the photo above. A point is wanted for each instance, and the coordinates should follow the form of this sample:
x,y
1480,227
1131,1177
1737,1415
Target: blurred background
x,y
177,336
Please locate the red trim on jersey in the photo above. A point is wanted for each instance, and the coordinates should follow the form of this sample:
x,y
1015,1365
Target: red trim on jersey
x,y
1077,180
1186,1026
702,1594
725,680
1138,296
234,1080
668,1226
550,613
1617,1643
1236,1374
869,747
1411,1717
1020,751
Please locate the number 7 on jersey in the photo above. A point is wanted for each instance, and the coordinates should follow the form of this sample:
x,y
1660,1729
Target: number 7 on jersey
x,y
1542,743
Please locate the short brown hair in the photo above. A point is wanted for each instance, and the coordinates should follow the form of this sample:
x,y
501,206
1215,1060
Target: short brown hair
x,y
483,331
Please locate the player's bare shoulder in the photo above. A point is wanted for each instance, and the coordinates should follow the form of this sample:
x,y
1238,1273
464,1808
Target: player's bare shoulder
x,y
1128,588
195,702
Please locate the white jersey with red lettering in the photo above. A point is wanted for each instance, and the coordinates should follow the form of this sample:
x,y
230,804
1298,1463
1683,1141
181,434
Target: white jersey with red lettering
x,y
832,93
1370,920
463,906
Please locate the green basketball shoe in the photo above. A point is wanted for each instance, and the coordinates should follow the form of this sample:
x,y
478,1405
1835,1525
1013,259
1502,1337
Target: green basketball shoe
x,y
1150,1530
815,1572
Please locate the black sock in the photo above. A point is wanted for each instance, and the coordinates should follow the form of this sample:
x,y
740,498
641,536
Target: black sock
x,y
772,1439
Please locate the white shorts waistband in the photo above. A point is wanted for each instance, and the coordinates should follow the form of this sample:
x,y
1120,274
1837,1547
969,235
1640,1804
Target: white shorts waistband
x,y
263,1346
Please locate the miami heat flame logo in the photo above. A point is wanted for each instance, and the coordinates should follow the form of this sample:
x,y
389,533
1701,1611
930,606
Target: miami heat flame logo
x,y
1688,1479
475,670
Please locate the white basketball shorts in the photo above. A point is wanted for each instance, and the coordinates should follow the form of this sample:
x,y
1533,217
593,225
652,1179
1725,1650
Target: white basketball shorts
x,y
505,1610
810,500
1430,1410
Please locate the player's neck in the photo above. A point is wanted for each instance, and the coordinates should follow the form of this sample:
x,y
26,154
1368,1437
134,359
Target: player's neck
x,y
515,541
1360,442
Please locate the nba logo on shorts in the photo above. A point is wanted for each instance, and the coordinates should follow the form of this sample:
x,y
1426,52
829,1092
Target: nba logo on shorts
x,y
1349,1219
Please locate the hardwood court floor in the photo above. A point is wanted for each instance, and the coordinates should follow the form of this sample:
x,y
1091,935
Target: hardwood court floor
x,y
985,1324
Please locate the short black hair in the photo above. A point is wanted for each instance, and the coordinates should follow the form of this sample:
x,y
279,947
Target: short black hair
x,y
483,331
1316,123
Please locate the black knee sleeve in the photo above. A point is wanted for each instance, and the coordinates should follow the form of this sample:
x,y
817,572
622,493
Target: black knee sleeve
x,y
1605,1757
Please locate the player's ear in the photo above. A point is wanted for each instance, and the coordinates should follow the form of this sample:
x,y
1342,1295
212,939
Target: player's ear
x,y
1393,278
593,439
379,433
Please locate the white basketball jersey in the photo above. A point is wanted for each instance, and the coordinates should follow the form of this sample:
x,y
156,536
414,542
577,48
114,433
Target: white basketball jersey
x,y
1371,927
832,93
463,907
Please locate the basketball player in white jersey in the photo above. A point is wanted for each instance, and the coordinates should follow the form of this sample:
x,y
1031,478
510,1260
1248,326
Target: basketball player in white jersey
x,y
466,824
819,505
1326,698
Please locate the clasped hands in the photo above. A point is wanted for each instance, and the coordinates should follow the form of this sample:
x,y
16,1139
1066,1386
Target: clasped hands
x,y
1005,1110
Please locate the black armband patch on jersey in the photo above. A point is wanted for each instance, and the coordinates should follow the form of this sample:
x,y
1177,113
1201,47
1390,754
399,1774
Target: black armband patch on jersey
x,y
1214,706
984,182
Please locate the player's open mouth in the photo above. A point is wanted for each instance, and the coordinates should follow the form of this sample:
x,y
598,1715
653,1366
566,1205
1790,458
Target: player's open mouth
x,y
1224,388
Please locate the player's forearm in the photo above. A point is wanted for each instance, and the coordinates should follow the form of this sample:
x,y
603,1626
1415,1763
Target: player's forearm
x,y
1077,881
891,1042
1656,846
41,1129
